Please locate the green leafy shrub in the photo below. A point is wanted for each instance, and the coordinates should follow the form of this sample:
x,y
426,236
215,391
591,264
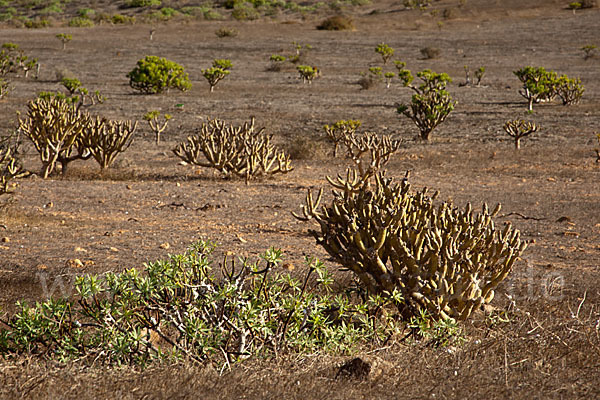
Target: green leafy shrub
x,y
276,62
540,85
421,4
64,38
431,104
243,150
442,260
144,3
337,23
244,12
177,309
218,72
155,75
120,19
80,22
385,51
308,73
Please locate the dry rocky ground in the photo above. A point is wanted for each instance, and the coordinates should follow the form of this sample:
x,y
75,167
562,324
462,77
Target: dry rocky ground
x,y
149,205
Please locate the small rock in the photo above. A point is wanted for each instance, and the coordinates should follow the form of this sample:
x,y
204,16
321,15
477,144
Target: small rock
x,y
114,249
5,239
41,267
165,246
80,250
74,263
178,184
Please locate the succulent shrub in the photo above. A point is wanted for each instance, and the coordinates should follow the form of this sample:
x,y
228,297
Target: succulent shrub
x,y
519,129
179,309
5,87
385,51
276,62
538,85
55,126
243,150
155,75
479,74
371,78
226,32
336,23
80,22
421,4
214,75
308,73
570,90
588,51
64,38
338,131
153,121
10,164
13,58
431,104
105,139
429,53
389,76
443,260
78,95
144,3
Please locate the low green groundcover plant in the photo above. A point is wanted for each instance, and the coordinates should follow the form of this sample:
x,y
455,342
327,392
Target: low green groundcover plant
x,y
179,309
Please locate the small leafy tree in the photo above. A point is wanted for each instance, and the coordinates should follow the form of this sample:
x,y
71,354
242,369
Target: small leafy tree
x,y
156,126
570,90
155,75
338,131
538,85
214,75
519,129
385,51
479,74
431,104
276,62
64,38
5,87
78,94
308,73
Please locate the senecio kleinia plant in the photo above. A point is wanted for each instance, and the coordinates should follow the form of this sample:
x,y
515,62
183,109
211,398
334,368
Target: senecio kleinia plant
x,y
431,104
155,75
340,130
519,129
180,309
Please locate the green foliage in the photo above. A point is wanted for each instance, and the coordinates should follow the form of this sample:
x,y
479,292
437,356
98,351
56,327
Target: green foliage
x,y
153,121
13,58
431,104
437,333
217,73
80,22
178,309
540,85
245,12
144,3
155,75
222,63
308,73
340,131
119,19
72,85
64,38
385,51
5,87
421,4
441,259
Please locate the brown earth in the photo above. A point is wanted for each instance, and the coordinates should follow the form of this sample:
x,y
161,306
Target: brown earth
x,y
149,205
